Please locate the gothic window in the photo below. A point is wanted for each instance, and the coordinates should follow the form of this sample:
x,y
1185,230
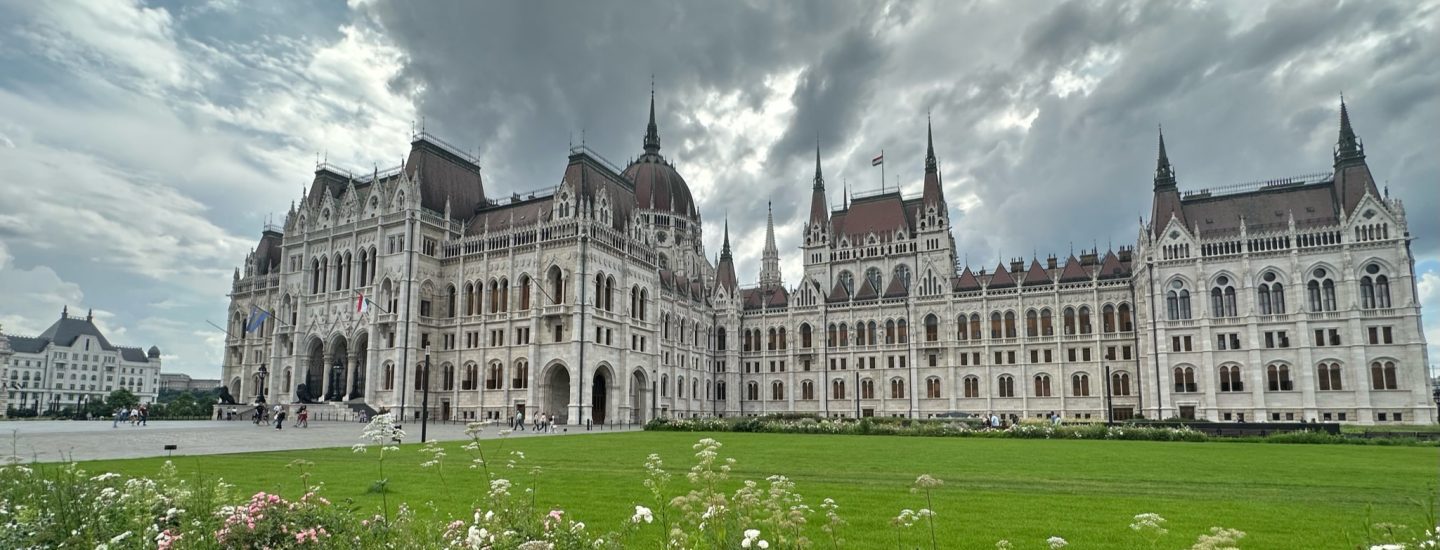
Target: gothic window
x,y
847,281
995,324
837,388
1328,376
1032,323
777,391
1177,301
1320,291
1009,324
1085,327
471,378
1080,385
932,328
1107,319
902,274
1222,298
752,391
1069,320
962,327
1382,375
904,328
557,285
890,331
972,386
1230,379
1042,385
494,376
804,335
1279,378
524,292
807,390
1120,383
932,387
1047,323
867,389
1271,294
897,388
448,377
1127,321
1006,386
975,326
1185,380
1374,288
387,380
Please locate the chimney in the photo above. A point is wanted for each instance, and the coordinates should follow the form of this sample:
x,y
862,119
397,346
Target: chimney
x,y
1126,252
1051,262
1088,258
1017,265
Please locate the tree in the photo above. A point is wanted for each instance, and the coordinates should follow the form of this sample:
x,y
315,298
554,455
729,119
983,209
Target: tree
x,y
121,398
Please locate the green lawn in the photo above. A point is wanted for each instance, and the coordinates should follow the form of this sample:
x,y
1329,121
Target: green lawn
x,y
1283,496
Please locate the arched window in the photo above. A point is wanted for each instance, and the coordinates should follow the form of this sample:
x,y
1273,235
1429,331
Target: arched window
x,y
962,327
1320,291
890,331
1382,375
904,327
665,387
972,386
867,388
837,388
1085,326
450,300
494,376
557,285
1185,380
471,378
387,379
1032,323
804,335
847,281
975,327
680,387
777,391
1177,301
1328,376
897,388
1222,298
609,293
1069,320
1005,386
932,328
524,292
1042,385
1127,321
902,274
752,391
1080,385
448,376
1107,319
830,333
1271,294
469,298
720,338
420,376
932,387
504,295
1279,378
1374,288
1120,383
844,335
1009,324
872,276
807,390
1230,379
782,338
996,326
770,343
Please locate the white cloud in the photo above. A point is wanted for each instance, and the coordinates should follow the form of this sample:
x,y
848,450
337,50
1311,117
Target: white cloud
x,y
31,299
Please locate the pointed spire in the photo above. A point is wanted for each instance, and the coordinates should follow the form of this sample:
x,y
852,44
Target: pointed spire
x,y
930,165
64,311
770,258
1164,172
819,178
1348,146
90,315
725,248
652,133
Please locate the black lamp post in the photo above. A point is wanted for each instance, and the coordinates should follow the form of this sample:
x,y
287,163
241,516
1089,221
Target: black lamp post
x,y
425,400
1109,419
260,376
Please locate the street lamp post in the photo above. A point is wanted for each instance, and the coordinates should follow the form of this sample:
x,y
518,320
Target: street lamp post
x,y
1109,420
260,376
425,400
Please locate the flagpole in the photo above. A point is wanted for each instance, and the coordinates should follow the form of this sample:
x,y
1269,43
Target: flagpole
x,y
882,171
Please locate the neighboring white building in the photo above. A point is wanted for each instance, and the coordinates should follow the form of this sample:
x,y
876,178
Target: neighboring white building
x,y
72,362
5,353
183,382
594,300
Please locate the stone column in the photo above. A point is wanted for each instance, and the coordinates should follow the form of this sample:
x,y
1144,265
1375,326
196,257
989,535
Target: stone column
x,y
352,361
328,359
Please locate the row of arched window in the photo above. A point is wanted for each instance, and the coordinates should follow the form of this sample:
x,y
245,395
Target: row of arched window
x,y
443,377
934,387
1328,377
337,271
1374,287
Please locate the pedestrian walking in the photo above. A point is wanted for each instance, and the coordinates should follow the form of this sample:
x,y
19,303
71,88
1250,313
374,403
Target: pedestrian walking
x,y
116,423
279,417
520,421
302,418
144,414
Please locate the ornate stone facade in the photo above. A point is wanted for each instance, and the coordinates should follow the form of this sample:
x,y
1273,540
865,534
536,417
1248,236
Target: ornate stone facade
x,y
594,301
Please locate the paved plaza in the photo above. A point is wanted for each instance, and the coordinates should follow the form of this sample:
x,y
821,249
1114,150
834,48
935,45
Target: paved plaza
x,y
57,440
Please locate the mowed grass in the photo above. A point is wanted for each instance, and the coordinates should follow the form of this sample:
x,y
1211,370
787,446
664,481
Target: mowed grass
x,y
1283,496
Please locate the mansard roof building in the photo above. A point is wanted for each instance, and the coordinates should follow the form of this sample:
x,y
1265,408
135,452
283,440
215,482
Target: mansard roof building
x,y
594,301
72,362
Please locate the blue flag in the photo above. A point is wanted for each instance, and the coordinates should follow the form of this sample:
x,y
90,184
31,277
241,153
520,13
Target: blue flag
x,y
257,319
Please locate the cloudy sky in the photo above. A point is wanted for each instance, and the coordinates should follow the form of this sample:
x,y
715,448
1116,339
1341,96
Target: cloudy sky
x,y
144,144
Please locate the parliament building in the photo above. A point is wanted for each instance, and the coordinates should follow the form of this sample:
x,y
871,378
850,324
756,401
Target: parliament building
x,y
594,300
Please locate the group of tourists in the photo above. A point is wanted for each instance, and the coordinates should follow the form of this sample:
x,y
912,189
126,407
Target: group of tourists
x,y
541,423
136,416
277,416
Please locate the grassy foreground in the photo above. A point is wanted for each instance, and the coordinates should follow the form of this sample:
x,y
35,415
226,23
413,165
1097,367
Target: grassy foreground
x,y
1283,496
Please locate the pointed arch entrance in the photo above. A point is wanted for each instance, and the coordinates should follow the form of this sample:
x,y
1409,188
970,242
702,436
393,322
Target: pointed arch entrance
x,y
314,379
639,397
600,401
556,389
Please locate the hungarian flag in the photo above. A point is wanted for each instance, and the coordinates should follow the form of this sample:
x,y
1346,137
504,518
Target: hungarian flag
x,y
361,304
877,161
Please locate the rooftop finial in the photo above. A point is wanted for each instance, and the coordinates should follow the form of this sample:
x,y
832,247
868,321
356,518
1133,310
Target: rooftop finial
x,y
930,165
819,179
652,133
1349,145
1164,172
725,247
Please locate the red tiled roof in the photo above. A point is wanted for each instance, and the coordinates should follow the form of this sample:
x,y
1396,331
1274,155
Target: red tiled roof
x,y
1110,268
838,294
1036,275
896,289
1073,271
867,291
967,281
881,214
1001,278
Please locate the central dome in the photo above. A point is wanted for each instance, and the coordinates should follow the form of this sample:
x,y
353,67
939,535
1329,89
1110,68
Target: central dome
x,y
657,185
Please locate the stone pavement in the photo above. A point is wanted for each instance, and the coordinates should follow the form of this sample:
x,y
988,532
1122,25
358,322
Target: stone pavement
x,y
56,440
